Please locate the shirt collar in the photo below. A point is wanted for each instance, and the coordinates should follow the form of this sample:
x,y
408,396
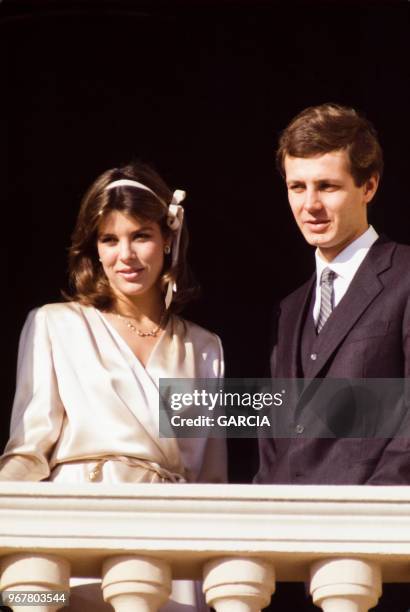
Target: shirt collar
x,y
347,262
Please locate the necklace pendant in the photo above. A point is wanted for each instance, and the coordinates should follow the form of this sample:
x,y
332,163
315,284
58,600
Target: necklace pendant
x,y
151,333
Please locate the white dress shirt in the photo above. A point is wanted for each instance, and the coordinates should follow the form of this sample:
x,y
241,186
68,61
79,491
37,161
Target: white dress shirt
x,y
345,266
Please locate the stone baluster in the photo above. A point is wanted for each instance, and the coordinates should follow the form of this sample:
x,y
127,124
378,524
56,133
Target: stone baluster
x,y
136,583
345,585
34,572
238,584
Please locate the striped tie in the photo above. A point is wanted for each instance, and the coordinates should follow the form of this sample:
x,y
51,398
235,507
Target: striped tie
x,y
326,297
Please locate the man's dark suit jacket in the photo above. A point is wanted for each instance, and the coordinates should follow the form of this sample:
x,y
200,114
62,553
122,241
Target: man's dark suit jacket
x,y
368,336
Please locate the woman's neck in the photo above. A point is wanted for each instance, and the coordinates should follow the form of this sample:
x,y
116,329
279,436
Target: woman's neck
x,y
141,308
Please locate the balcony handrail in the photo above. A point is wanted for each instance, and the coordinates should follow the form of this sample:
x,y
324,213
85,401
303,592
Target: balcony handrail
x,y
188,525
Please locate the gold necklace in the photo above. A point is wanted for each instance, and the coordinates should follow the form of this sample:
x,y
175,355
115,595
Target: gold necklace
x,y
143,334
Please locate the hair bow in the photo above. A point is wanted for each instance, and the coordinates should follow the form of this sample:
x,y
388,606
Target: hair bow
x,y
175,220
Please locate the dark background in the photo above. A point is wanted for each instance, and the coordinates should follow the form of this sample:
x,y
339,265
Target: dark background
x,y
200,90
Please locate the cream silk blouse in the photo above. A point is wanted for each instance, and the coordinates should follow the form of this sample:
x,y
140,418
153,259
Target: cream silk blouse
x,y
83,395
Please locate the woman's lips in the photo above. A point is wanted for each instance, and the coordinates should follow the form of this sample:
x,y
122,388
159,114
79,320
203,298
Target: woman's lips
x,y
130,274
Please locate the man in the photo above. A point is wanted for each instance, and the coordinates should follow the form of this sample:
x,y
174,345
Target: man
x,y
351,320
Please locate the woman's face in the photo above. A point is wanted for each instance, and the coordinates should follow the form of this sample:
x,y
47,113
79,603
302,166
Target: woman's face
x,y
131,252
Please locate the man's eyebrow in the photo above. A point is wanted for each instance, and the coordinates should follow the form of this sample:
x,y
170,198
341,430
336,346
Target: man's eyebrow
x,y
328,180
324,179
294,180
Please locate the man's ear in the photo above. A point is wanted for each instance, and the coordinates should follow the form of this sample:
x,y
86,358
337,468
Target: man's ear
x,y
370,187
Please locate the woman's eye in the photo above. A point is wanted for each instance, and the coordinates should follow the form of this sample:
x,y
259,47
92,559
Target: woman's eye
x,y
108,239
142,236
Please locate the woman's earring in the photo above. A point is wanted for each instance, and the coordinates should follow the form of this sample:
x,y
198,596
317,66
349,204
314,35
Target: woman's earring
x,y
167,249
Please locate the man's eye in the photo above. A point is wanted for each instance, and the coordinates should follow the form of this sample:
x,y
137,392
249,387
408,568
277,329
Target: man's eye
x,y
329,187
296,188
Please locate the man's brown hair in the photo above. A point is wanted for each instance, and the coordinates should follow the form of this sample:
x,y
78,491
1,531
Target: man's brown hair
x,y
330,127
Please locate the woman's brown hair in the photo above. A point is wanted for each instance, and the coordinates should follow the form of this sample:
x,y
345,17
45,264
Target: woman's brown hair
x,y
88,282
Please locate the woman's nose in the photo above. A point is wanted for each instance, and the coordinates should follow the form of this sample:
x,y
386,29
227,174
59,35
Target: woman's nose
x,y
126,250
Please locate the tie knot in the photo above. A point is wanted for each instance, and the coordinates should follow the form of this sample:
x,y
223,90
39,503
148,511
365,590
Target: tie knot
x,y
327,277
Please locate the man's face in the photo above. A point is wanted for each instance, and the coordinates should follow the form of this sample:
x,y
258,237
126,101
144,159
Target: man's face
x,y
329,208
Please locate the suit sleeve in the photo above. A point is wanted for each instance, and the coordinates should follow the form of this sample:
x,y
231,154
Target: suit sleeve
x,y
274,342
205,458
393,468
214,466
38,413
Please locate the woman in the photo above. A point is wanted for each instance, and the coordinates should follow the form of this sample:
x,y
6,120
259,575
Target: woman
x,y
99,357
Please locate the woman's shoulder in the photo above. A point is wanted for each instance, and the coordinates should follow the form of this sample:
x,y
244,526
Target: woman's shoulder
x,y
195,333
63,307
57,310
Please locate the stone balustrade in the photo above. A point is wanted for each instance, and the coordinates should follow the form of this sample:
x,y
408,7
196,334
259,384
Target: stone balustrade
x,y
344,541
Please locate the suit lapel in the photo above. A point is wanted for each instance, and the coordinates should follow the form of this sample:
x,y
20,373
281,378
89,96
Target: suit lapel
x,y
290,355
364,288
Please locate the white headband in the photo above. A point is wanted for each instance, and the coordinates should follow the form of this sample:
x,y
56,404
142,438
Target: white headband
x,y
175,219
